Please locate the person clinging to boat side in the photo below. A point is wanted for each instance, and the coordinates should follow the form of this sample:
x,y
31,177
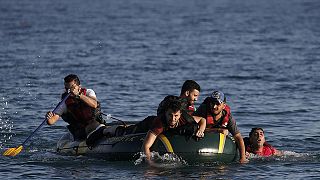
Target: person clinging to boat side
x,y
219,118
256,144
81,110
169,120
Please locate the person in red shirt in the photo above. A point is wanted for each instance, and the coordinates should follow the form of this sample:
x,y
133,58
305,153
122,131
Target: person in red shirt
x,y
256,144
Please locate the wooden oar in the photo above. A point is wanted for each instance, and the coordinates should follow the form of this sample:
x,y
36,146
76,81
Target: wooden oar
x,y
17,150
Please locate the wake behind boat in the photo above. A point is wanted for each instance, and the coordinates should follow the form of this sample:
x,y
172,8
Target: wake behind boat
x,y
214,147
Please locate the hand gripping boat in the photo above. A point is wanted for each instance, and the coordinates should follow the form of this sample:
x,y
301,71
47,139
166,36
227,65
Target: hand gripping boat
x,y
214,147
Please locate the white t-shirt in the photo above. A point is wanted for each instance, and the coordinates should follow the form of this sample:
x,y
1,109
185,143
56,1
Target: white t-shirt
x,y
63,107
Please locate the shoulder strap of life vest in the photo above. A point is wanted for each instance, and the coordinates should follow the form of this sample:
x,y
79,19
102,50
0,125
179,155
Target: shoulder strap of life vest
x,y
226,116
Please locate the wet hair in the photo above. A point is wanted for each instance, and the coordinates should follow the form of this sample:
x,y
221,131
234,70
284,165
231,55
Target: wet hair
x,y
72,77
254,129
173,104
189,85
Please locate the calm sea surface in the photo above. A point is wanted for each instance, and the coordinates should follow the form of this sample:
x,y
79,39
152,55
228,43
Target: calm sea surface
x,y
265,56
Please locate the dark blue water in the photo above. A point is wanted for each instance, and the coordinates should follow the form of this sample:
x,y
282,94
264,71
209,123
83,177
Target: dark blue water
x,y
265,56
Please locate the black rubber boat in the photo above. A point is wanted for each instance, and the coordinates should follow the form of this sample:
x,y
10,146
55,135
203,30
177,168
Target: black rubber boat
x,y
214,147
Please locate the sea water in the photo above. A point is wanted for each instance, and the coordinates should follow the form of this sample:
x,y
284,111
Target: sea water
x,y
264,55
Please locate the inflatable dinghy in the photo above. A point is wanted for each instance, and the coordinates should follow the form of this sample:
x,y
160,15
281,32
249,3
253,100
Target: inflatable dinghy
x,y
214,147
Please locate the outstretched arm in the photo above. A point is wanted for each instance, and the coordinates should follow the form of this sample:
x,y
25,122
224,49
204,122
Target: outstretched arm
x,y
239,140
148,142
202,125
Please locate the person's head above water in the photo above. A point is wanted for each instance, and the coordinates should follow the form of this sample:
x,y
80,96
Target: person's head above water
x,y
256,137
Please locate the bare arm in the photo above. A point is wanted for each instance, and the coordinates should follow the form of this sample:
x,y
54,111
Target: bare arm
x,y
202,125
148,142
91,101
239,140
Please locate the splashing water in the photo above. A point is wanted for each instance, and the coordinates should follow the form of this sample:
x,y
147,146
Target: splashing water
x,y
287,156
5,124
294,154
168,160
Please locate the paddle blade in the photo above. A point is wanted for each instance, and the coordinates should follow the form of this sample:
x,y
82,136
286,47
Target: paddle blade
x,y
13,151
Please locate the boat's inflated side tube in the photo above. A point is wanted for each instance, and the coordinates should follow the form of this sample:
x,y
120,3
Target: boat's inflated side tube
x,y
214,147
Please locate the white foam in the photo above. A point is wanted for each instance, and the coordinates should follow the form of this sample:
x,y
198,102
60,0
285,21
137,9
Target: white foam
x,y
168,160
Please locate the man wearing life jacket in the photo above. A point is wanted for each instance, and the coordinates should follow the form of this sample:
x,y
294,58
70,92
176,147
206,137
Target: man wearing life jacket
x,y
256,144
219,118
80,110
169,120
